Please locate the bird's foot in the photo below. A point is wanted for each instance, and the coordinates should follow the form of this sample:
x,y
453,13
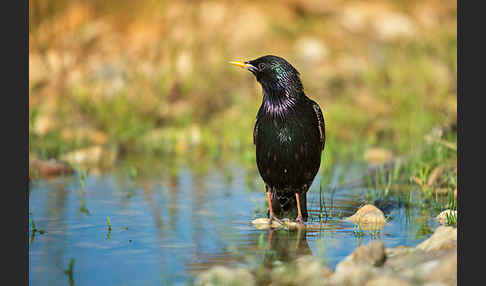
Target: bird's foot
x,y
274,218
299,219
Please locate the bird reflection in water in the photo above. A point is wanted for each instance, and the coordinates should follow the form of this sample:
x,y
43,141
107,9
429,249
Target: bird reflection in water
x,y
285,246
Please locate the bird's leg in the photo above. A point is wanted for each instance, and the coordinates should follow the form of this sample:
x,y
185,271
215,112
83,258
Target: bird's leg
x,y
299,213
272,215
299,230
270,235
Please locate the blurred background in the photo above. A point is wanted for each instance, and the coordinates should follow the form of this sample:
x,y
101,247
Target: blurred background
x,y
136,104
153,76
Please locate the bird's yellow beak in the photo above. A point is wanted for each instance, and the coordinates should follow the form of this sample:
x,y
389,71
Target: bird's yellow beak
x,y
240,64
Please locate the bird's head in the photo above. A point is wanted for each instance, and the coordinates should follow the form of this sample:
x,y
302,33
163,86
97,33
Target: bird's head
x,y
275,74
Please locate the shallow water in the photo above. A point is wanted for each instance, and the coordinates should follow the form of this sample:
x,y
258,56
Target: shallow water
x,y
167,226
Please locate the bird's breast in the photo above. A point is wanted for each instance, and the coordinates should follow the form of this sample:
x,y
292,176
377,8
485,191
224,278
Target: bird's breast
x,y
284,135
280,133
287,150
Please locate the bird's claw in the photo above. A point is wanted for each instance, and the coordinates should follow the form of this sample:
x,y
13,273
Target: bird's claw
x,y
299,220
274,218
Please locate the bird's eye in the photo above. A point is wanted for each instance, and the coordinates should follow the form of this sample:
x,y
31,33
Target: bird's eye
x,y
262,66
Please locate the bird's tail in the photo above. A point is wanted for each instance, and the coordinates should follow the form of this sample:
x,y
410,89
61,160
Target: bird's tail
x,y
284,204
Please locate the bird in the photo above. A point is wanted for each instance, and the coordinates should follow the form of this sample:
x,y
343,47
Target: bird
x,y
289,135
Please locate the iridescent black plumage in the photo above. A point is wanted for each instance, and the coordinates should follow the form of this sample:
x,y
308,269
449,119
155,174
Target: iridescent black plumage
x,y
289,134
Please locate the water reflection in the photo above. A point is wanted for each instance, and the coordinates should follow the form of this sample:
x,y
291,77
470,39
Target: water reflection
x,y
52,250
285,246
170,222
262,249
69,272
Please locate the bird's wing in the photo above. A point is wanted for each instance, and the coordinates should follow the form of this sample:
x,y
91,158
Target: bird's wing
x,y
321,125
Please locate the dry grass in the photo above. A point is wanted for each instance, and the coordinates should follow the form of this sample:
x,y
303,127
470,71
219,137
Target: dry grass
x,y
384,72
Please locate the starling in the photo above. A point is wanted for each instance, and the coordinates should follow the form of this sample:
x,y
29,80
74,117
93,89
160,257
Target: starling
x,y
289,136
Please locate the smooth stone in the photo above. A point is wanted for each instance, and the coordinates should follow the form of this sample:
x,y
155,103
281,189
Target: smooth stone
x,y
387,281
444,237
220,275
305,270
368,217
371,254
446,271
262,223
